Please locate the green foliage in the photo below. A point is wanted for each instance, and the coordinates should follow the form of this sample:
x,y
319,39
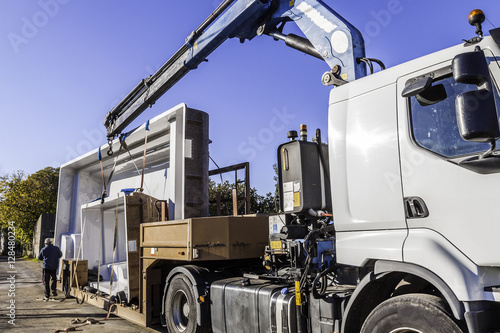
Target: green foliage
x,y
23,198
263,204
258,203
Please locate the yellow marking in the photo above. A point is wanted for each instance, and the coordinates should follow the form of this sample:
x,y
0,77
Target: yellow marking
x,y
343,76
296,199
283,157
195,46
276,245
298,299
292,3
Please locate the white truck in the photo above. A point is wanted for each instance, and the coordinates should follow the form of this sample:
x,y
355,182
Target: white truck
x,y
389,228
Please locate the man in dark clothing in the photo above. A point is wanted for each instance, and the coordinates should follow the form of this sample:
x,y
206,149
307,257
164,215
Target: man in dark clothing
x,y
50,255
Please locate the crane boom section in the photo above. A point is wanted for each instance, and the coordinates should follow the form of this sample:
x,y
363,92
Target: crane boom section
x,y
329,37
335,39
198,46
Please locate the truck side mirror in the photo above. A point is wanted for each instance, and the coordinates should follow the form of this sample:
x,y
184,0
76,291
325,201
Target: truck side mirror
x,y
476,110
471,68
476,116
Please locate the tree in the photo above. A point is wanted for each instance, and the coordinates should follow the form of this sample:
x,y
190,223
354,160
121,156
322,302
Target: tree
x,y
23,198
263,204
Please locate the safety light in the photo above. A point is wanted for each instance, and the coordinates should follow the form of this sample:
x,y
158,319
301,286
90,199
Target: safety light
x,y
476,18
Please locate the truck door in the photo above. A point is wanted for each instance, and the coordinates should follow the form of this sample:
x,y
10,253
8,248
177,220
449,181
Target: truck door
x,y
365,172
451,210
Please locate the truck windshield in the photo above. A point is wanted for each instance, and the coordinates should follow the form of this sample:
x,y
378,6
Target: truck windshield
x,y
435,127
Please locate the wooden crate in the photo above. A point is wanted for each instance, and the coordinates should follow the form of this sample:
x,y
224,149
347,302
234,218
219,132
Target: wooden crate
x,y
206,238
81,271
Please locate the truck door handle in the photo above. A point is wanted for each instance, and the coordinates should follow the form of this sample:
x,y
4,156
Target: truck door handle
x,y
415,208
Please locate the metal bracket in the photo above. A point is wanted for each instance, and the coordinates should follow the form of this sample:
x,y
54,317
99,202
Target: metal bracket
x,y
331,78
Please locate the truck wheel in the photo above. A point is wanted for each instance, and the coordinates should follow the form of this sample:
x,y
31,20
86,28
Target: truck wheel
x,y
411,313
180,307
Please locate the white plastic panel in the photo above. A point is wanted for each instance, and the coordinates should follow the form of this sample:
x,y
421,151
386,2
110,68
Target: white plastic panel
x,y
358,247
364,160
120,279
167,168
76,245
67,247
92,215
101,219
176,170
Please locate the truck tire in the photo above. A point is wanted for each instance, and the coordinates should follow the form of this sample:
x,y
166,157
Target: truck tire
x,y
411,313
180,307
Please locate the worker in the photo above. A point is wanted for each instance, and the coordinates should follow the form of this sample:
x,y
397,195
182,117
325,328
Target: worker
x,y
50,255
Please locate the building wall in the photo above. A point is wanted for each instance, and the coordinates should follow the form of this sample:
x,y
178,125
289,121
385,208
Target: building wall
x,y
44,229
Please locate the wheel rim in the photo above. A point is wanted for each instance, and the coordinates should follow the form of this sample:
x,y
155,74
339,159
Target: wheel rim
x,y
180,310
405,330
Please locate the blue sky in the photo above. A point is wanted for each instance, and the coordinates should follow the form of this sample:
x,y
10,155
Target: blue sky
x,y
65,63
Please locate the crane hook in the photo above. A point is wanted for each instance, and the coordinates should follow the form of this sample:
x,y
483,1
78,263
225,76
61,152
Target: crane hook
x,y
110,150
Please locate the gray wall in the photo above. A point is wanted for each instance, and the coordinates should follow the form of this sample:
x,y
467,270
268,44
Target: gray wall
x,y
44,229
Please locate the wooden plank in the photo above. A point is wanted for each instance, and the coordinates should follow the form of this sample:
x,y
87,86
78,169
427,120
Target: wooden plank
x,y
171,253
140,209
235,202
212,238
165,235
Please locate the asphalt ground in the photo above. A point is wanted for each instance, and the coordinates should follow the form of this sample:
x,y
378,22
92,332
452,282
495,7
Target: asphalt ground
x,y
23,310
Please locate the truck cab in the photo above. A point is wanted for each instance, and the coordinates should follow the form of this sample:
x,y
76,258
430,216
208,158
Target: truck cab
x,y
411,196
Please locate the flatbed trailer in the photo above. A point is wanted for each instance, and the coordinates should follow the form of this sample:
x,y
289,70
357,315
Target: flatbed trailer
x,y
211,242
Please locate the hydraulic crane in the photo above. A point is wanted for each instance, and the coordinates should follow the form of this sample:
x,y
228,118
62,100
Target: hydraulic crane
x,y
328,36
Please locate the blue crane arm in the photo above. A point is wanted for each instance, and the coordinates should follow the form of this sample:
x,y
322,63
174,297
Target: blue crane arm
x,y
328,37
337,41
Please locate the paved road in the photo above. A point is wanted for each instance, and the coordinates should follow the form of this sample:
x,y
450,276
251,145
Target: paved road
x,y
21,292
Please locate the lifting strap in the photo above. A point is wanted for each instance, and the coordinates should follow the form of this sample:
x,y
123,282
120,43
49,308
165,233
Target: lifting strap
x,y
99,156
144,156
75,275
87,321
114,248
125,146
100,251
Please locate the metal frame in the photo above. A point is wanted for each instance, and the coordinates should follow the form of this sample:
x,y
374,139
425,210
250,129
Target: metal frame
x,y
235,168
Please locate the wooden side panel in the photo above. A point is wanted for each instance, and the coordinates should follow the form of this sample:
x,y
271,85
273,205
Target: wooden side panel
x,y
151,292
140,209
165,234
205,239
166,240
249,236
210,238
